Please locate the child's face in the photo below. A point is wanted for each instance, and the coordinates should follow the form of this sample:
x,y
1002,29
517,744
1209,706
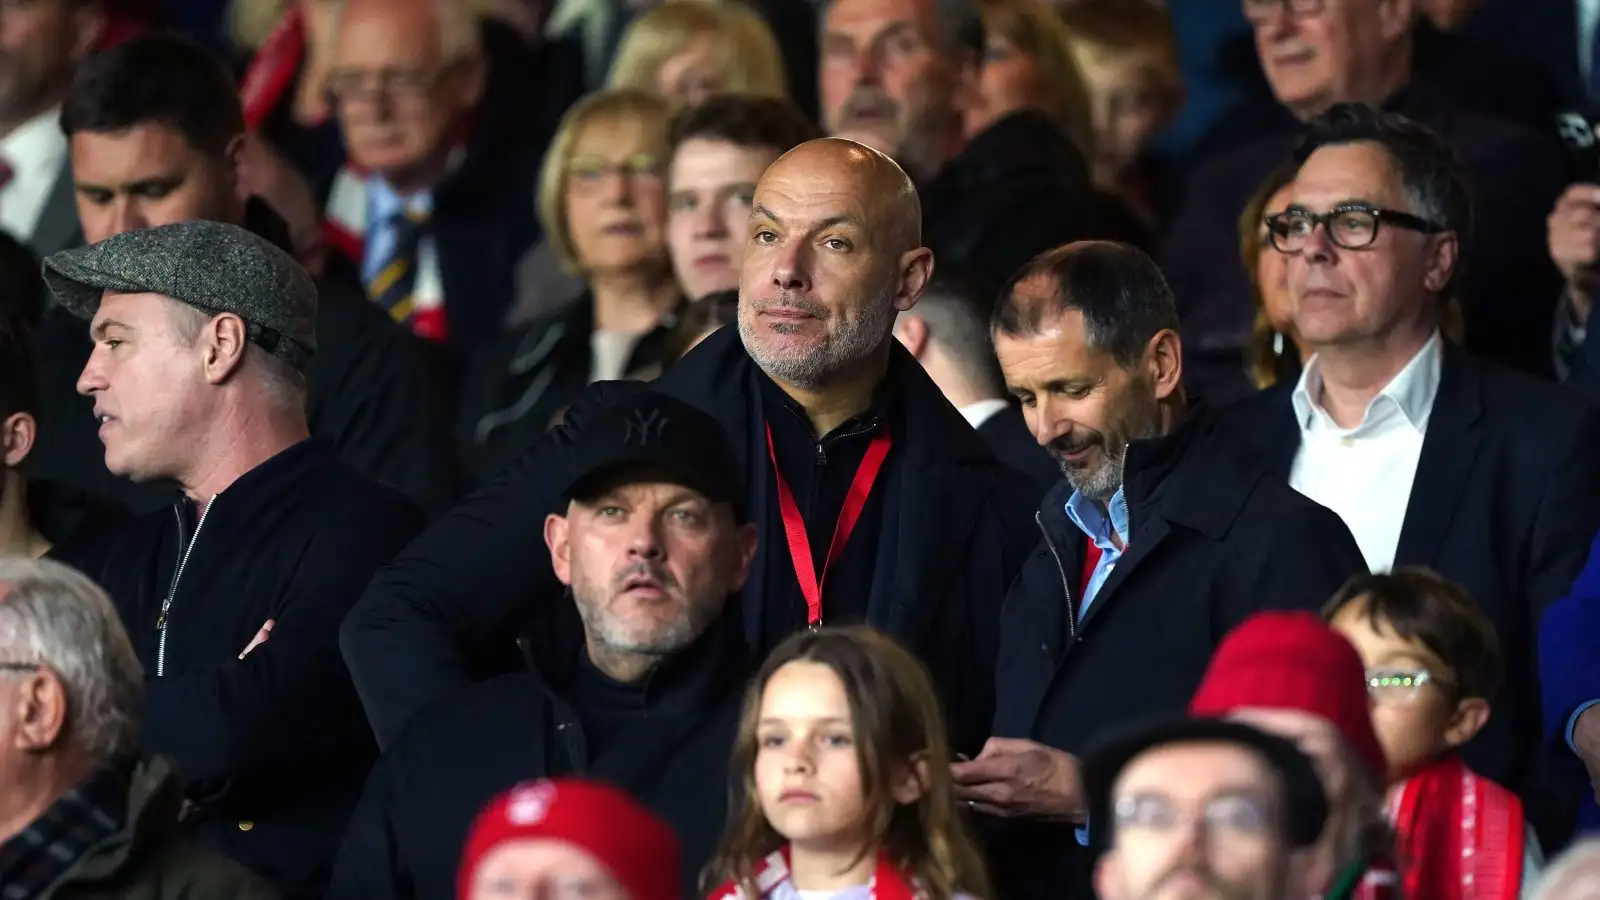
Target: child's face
x,y
1131,97
807,774
1414,724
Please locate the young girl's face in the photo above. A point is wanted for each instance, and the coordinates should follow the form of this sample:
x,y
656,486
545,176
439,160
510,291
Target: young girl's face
x,y
807,774
1413,723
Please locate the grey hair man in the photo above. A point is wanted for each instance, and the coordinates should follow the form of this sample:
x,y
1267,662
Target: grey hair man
x,y
77,799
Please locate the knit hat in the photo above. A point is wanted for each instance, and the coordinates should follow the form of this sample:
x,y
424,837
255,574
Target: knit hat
x,y
638,849
1292,660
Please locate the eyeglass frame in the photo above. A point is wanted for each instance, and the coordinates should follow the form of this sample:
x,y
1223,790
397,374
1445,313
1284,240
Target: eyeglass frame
x,y
1271,816
1380,217
1267,7
426,81
1421,678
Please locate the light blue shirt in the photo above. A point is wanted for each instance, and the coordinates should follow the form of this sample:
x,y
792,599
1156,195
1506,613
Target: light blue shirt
x,y
383,206
1093,520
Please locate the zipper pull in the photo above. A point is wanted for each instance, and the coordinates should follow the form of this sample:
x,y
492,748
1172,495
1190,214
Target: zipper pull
x,y
822,455
161,621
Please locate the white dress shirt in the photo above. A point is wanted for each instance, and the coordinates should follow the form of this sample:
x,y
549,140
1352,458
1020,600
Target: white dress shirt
x,y
978,413
1364,473
36,151
384,205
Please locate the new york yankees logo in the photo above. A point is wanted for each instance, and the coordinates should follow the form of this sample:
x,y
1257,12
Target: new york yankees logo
x,y
644,426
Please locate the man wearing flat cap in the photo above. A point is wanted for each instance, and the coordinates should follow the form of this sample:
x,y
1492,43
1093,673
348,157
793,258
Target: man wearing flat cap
x,y
202,332
635,681
1201,808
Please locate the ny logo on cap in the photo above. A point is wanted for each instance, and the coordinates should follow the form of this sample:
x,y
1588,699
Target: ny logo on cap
x,y
644,426
530,804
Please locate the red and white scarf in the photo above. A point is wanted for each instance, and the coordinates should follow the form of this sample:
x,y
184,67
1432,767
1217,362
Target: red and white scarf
x,y
1460,835
774,879
274,67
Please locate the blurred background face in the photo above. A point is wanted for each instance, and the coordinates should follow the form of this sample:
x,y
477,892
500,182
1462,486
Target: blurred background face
x,y
1009,81
1130,97
399,100
713,183
807,771
616,203
545,869
1315,59
885,81
1080,405
692,76
41,42
1272,271
1318,739
146,177
1196,821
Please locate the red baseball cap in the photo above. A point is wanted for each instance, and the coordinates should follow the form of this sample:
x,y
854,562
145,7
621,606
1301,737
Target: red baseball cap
x,y
637,848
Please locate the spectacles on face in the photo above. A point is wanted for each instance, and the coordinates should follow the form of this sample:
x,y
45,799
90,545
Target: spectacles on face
x,y
1259,11
1352,226
588,173
403,85
19,667
1398,687
1229,816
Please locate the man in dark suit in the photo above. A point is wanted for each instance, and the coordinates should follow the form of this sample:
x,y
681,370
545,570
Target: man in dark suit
x,y
948,332
838,431
1432,456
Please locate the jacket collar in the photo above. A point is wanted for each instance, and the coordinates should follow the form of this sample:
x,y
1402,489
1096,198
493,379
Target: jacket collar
x,y
271,479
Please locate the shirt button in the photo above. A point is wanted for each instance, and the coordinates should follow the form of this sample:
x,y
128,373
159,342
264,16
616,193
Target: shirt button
x,y
246,825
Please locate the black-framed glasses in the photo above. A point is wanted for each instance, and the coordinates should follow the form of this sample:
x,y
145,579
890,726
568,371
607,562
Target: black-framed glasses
x,y
19,667
1258,11
1351,226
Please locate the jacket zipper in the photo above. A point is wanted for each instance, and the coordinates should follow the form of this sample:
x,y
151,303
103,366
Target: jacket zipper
x,y
1066,588
166,605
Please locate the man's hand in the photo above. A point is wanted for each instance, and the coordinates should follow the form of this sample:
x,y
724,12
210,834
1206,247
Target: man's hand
x,y
1574,240
258,640
1014,777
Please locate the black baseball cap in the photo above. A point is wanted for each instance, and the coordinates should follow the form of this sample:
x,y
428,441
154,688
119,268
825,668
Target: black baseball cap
x,y
1305,802
654,433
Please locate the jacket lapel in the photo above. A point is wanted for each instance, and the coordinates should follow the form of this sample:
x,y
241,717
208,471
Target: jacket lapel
x,y
1282,433
58,228
1149,535
1449,450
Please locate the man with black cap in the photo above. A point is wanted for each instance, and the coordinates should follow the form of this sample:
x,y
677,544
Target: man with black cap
x,y
1202,807
233,598
636,681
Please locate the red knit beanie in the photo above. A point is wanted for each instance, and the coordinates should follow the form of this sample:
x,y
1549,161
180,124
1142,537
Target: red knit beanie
x,y
1292,660
638,849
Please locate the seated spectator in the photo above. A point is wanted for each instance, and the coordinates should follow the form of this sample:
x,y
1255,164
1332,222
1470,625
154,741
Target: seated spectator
x,y
948,332
202,332
1433,662
1345,51
1028,64
1256,797
989,203
1276,352
85,816
701,320
1432,456
45,41
690,51
567,836
842,774
156,133
1573,874
1162,517
603,203
644,693
719,150
1290,675
1569,687
1128,54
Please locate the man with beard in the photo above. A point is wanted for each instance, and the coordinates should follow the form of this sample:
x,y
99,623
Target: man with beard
x,y
1162,537
635,680
897,75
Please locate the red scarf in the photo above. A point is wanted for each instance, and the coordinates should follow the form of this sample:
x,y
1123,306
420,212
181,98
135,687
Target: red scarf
x,y
1460,835
273,67
773,879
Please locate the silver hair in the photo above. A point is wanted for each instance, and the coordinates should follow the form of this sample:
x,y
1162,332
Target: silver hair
x,y
1575,874
54,616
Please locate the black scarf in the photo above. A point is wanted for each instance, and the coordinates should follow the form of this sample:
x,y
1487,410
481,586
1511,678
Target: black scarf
x,y
39,855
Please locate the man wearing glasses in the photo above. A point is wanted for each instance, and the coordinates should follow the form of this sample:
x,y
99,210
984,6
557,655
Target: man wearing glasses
x,y
1431,456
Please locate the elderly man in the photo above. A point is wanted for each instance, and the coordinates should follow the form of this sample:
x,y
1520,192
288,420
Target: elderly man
x,y
1163,535
1317,54
1254,796
233,597
896,74
78,799
636,680
1431,455
836,429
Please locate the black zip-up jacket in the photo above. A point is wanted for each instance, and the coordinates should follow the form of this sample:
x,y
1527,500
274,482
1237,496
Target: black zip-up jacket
x,y
273,747
954,531
454,756
1213,538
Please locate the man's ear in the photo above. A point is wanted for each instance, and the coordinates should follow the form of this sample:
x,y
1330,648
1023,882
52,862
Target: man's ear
x,y
1164,362
41,711
1470,717
17,434
557,537
912,331
223,342
916,267
1442,262
911,781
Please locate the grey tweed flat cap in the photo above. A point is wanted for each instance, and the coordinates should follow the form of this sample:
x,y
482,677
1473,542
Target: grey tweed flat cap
x,y
213,267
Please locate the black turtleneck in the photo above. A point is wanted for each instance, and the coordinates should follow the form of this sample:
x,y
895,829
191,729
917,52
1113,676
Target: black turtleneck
x,y
819,472
606,707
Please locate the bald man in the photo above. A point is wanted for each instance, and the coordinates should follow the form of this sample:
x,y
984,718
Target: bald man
x,y
873,499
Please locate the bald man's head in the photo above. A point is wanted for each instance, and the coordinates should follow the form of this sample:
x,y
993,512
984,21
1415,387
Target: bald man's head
x,y
834,253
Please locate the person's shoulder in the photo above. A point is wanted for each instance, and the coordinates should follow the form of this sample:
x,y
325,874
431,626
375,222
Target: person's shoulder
x,y
183,868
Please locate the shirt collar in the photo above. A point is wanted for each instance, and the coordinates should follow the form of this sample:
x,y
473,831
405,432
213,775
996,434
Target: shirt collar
x,y
978,413
1092,518
36,145
388,203
1411,391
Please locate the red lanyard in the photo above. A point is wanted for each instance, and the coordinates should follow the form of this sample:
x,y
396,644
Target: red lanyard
x,y
794,527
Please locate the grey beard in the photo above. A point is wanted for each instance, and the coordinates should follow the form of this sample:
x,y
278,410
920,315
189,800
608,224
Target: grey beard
x,y
812,371
1099,484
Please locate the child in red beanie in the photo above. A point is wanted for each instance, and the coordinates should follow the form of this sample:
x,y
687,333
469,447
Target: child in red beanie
x,y
1433,660
569,837
1292,675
